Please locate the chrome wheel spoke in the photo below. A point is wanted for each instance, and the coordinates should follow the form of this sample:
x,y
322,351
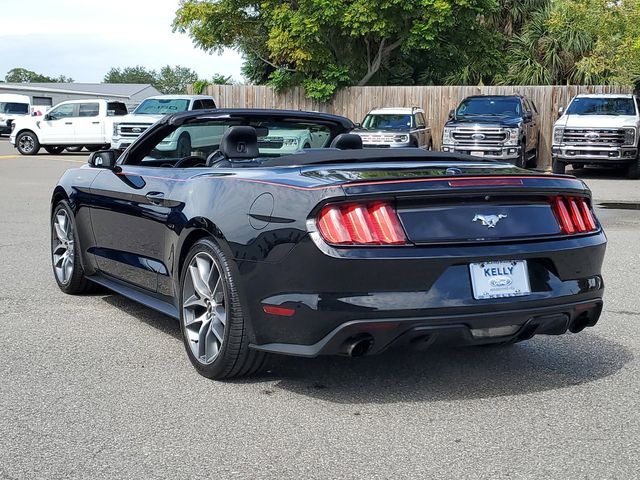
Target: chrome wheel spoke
x,y
62,248
220,314
211,346
194,301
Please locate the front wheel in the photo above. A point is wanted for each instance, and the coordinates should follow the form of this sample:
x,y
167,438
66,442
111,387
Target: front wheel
x,y
558,167
184,145
65,252
27,143
54,150
214,329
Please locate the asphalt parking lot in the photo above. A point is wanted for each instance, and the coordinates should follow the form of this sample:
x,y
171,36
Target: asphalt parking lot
x,y
100,387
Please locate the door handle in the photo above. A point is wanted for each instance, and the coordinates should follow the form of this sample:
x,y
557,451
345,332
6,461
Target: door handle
x,y
68,123
155,198
95,123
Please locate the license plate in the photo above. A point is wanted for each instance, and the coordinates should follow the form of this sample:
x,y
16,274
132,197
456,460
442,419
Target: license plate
x,y
476,154
499,279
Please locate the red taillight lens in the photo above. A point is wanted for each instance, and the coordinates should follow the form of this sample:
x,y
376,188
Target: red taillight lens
x,y
361,224
574,215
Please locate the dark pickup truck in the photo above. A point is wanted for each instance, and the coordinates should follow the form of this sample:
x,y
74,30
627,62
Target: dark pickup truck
x,y
503,127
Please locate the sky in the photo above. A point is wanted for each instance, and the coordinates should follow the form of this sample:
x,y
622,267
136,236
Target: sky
x,y
83,39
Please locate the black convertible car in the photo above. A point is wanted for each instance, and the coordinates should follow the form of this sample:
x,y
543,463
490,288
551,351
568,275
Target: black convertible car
x,y
328,250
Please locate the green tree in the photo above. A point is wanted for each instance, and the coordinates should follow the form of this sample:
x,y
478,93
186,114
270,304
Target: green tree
x,y
175,80
137,74
22,75
324,44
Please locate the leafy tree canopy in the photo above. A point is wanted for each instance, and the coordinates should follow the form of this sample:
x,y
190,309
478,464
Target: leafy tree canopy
x,y
169,80
324,44
22,75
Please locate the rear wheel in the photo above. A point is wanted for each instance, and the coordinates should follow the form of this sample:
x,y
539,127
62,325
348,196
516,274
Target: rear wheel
x,y
65,252
74,149
558,167
213,325
54,150
27,143
93,148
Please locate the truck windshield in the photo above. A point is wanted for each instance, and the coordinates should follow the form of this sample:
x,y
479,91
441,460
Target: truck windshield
x,y
161,106
498,106
386,122
11,107
602,106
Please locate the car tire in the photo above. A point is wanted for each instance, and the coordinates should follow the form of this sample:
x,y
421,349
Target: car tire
x,y
65,252
27,143
93,148
54,150
184,146
521,161
558,167
75,149
212,321
633,169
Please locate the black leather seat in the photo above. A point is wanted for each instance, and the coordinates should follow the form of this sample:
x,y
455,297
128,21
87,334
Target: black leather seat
x,y
347,141
237,143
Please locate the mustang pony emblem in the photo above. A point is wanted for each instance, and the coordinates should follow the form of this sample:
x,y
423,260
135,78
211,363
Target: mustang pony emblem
x,y
489,220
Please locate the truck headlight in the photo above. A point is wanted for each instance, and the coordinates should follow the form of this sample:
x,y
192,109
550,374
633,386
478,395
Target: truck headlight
x,y
629,136
401,138
513,136
290,142
447,135
115,129
558,133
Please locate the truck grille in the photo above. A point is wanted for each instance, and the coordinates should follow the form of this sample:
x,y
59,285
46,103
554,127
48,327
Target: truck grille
x,y
378,138
271,142
132,129
479,137
594,136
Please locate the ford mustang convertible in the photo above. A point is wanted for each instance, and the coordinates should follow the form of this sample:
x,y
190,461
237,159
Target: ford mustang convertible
x,y
329,250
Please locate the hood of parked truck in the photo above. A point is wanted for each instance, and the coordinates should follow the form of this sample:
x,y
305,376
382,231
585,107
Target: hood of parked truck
x,y
484,121
597,121
131,118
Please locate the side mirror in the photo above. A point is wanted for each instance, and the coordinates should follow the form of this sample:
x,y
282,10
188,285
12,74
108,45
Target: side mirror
x,y
358,125
104,159
528,116
560,111
47,117
452,113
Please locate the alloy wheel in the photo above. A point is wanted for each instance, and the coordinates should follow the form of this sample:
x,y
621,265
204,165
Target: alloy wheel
x,y
204,307
26,143
63,246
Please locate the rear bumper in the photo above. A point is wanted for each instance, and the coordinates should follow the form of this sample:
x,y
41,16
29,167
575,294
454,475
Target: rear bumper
x,y
595,154
469,329
389,292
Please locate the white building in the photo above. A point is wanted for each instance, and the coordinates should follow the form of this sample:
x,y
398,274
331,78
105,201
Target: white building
x,y
45,95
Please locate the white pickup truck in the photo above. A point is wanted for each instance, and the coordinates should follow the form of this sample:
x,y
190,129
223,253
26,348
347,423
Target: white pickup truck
x,y
152,109
13,107
75,123
598,129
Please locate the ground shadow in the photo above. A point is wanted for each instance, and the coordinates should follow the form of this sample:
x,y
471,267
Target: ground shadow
x,y
542,364
443,374
152,318
603,173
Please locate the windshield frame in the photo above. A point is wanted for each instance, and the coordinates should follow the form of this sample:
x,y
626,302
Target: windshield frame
x,y
159,101
487,100
586,102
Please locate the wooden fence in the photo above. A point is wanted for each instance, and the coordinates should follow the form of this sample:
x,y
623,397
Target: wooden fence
x,y
437,101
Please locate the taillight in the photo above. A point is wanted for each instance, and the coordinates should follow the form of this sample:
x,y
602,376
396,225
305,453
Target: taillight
x,y
374,223
574,215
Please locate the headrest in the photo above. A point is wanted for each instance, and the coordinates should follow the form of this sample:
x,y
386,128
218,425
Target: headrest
x,y
347,141
239,142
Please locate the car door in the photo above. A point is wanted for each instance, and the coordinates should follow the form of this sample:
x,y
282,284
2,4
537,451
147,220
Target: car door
x,y
425,133
130,217
88,125
57,126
